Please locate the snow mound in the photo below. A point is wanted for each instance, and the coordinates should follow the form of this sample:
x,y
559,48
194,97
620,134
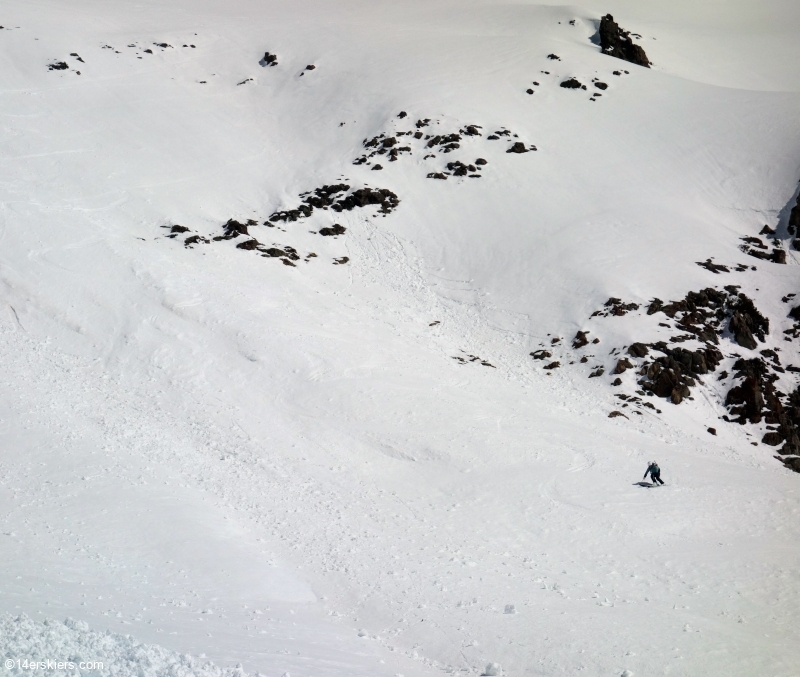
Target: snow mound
x,y
71,648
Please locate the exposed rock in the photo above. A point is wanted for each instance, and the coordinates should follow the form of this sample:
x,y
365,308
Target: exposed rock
x,y
617,43
601,85
794,219
616,307
553,365
437,175
615,414
580,340
622,366
637,350
330,197
746,322
178,229
712,431
541,354
616,382
597,372
717,268
58,66
572,83
335,229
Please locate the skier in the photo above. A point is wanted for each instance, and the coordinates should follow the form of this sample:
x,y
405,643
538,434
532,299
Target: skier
x,y
655,473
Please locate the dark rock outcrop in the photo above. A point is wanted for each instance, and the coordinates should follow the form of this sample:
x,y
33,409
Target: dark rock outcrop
x,y
794,219
335,229
618,43
746,322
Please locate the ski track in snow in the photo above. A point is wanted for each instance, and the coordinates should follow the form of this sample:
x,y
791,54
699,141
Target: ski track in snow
x,y
213,454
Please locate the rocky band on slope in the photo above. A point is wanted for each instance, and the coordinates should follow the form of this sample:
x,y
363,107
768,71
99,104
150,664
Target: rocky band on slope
x,y
707,317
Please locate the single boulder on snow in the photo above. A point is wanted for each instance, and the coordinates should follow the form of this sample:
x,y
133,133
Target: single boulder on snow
x,y
335,229
572,83
518,147
618,43
622,366
580,340
269,59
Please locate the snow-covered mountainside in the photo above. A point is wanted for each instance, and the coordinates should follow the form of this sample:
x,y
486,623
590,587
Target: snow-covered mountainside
x,y
338,335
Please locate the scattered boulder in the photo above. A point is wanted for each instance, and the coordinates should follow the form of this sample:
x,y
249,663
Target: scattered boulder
x,y
518,147
335,229
637,350
712,431
58,66
615,307
541,354
601,85
615,414
716,268
572,83
617,43
553,365
269,59
622,366
580,340
248,244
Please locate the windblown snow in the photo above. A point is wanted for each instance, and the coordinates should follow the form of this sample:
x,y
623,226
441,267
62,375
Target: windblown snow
x,y
337,336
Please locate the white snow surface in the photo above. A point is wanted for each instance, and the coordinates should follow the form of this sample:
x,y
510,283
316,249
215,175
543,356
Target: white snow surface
x,y
211,460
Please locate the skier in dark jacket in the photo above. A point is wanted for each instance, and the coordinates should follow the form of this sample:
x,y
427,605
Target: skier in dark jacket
x,y
655,473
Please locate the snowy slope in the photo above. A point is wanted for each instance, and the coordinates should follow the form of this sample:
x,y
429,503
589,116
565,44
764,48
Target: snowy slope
x,y
284,467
